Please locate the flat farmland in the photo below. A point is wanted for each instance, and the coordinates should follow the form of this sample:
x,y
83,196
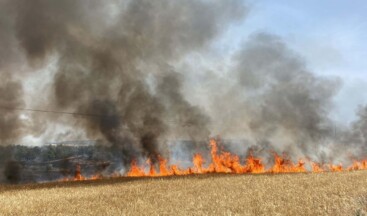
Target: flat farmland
x,y
343,193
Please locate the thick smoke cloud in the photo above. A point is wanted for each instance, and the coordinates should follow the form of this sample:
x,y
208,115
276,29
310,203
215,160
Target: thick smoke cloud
x,y
10,96
105,62
275,101
355,138
11,91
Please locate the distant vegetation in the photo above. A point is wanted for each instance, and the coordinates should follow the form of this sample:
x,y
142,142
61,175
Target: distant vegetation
x,y
22,164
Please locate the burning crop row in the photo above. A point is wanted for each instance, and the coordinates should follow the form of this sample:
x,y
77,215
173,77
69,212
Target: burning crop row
x,y
224,162
227,162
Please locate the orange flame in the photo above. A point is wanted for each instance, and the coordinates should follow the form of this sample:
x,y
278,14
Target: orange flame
x,y
358,165
224,162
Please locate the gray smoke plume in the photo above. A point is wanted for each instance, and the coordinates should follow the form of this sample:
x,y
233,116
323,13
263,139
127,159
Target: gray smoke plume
x,y
353,142
11,91
107,51
10,96
360,129
275,101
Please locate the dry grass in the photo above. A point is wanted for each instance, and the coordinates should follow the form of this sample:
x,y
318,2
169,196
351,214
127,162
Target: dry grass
x,y
288,194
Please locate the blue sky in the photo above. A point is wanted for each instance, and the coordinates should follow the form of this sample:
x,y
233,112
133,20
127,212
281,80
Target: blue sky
x,y
329,34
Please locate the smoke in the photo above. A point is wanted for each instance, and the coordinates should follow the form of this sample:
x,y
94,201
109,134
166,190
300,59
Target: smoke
x,y
117,61
275,101
10,96
12,172
355,138
11,91
106,51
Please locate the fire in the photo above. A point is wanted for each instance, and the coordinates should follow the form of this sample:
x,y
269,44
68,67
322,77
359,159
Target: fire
x,y
254,165
282,165
223,162
358,165
79,177
336,168
226,162
316,167
198,163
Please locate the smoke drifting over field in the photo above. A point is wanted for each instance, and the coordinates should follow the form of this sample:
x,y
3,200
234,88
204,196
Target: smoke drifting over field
x,y
106,63
283,104
116,60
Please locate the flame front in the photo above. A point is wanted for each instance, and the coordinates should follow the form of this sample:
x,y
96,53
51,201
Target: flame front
x,y
224,162
227,162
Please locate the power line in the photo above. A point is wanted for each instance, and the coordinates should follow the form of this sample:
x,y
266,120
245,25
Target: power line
x,y
85,115
57,112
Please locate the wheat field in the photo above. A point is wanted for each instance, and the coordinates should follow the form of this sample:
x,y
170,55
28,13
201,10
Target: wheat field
x,y
286,194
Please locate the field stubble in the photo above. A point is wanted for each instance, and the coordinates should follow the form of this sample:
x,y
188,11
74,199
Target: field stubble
x,y
342,193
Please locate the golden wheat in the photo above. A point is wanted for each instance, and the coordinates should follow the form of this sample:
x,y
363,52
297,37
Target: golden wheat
x,y
287,194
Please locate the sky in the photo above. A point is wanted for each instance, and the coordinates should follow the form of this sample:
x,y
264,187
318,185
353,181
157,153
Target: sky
x,y
329,35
